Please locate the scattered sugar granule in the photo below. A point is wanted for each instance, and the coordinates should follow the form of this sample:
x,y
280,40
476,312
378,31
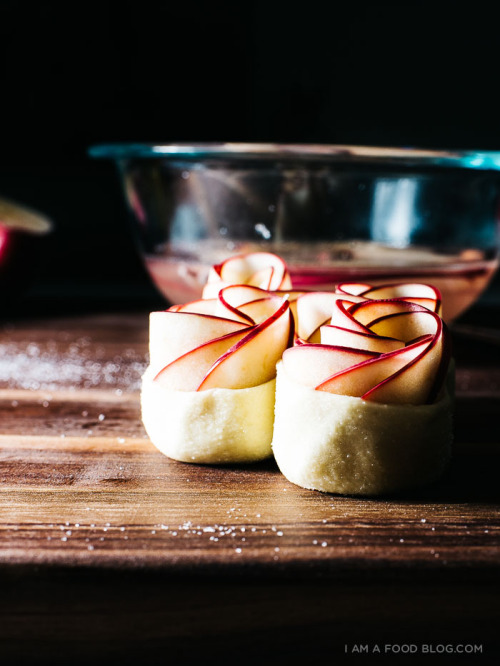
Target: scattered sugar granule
x,y
32,367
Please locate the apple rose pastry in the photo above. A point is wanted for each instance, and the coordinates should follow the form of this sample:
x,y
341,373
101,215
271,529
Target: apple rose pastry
x,y
264,270
208,393
258,269
363,399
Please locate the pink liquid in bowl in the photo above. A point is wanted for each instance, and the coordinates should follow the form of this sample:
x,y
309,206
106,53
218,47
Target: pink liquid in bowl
x,y
180,273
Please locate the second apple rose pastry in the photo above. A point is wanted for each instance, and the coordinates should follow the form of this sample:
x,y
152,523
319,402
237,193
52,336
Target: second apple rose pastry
x,y
208,393
364,398
264,270
258,269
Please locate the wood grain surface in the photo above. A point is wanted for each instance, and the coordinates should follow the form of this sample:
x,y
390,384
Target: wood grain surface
x,y
107,547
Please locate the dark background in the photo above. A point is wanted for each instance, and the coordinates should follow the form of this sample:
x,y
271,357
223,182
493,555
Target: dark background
x,y
74,74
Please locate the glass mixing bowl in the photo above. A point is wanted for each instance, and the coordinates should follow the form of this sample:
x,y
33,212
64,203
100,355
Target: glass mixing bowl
x,y
334,213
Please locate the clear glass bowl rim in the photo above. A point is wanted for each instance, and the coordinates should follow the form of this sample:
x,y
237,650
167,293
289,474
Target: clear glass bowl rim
x,y
335,153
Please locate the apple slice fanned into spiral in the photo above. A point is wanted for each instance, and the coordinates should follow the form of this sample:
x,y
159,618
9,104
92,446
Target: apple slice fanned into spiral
x,y
407,343
317,308
172,333
257,269
244,273
252,360
237,345
414,292
368,341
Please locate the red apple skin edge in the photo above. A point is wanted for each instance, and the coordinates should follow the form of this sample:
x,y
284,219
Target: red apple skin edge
x,y
441,332
255,331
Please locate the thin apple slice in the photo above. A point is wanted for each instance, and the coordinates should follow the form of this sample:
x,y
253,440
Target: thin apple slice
x,y
352,288
343,337
16,217
293,296
343,316
260,269
250,303
202,306
407,326
414,384
172,334
413,325
426,376
370,313
236,295
414,292
188,371
214,306
399,319
360,379
313,310
263,277
213,283
262,309
310,364
253,268
252,361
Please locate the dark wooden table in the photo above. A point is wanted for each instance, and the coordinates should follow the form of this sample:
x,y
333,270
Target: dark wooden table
x,y
110,552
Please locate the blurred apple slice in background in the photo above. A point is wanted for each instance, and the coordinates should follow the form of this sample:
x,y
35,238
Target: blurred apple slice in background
x,y
21,233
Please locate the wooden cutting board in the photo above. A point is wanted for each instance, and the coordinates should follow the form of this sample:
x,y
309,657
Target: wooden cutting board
x,y
103,540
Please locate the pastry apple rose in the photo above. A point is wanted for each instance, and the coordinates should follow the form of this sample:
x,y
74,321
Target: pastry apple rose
x,y
264,270
208,393
258,269
363,399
